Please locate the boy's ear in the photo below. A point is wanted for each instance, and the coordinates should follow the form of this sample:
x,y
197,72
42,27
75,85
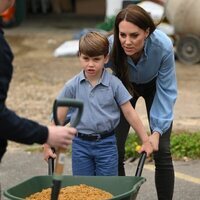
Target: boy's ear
x,y
106,58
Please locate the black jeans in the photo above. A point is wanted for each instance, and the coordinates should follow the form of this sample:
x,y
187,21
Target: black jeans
x,y
164,172
3,146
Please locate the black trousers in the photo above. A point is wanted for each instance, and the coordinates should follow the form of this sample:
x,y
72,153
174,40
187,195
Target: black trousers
x,y
164,171
3,146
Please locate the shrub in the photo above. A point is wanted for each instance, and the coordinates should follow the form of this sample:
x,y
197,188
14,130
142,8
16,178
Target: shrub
x,y
107,25
182,145
131,144
185,145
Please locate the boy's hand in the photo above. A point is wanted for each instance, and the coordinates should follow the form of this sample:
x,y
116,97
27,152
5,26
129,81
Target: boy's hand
x,y
47,152
147,147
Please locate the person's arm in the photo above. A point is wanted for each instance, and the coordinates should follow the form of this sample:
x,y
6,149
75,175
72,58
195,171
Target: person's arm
x,y
135,122
161,114
13,127
16,128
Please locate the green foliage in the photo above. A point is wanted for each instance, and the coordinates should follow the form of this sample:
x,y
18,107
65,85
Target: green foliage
x,y
131,143
107,25
182,145
185,145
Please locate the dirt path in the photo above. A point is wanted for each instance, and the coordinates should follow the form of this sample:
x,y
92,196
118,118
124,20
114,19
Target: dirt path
x,y
38,76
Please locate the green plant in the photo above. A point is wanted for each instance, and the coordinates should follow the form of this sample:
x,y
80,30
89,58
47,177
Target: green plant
x,y
132,143
107,25
182,145
185,145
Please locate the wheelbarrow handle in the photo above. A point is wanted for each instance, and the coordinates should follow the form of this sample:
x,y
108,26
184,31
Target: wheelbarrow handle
x,y
50,166
140,165
51,163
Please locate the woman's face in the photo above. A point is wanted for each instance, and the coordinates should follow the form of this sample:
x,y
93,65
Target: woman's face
x,y
131,37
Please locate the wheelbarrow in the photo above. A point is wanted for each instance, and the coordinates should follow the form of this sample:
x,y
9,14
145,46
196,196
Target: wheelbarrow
x,y
121,187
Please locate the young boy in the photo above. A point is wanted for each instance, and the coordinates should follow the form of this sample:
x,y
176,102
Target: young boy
x,y
94,150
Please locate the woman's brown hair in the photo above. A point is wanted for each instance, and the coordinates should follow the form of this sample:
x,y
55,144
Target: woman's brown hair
x,y
139,17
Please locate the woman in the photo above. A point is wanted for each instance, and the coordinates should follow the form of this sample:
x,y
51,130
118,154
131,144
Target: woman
x,y
143,58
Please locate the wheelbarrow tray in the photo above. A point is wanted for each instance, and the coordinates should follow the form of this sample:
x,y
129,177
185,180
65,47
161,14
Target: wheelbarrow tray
x,y
121,187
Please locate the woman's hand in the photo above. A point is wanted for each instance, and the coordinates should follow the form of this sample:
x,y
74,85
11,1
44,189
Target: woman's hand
x,y
154,140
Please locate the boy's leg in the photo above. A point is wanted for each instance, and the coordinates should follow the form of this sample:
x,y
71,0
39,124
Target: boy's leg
x,y
82,158
106,157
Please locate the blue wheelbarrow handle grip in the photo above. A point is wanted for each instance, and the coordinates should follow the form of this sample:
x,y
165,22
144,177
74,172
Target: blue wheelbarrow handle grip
x,y
140,165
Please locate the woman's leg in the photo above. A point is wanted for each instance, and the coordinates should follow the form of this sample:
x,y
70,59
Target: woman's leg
x,y
121,133
3,146
164,173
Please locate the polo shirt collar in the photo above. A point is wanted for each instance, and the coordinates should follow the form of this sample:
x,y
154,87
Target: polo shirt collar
x,y
82,76
104,80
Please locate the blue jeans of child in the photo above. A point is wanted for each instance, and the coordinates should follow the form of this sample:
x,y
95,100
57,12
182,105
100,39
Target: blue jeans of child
x,y
95,158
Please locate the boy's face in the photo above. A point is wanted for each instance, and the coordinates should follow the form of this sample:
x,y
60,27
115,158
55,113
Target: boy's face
x,y
5,4
93,66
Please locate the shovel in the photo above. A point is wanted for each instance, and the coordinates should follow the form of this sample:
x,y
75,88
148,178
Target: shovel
x,y
57,175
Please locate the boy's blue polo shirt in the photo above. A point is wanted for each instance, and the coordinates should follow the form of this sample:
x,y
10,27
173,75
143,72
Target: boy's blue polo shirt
x,y
101,103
